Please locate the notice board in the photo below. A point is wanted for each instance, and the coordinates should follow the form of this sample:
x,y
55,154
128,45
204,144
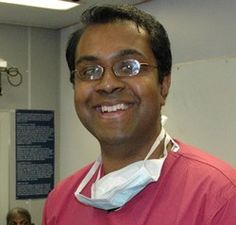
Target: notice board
x,y
34,153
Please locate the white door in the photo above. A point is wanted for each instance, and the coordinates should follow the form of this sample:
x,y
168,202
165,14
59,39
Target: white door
x,y
4,164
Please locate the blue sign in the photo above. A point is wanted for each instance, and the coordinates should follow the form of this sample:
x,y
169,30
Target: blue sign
x,y
35,143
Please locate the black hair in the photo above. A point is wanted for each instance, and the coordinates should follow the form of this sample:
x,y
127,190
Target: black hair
x,y
159,40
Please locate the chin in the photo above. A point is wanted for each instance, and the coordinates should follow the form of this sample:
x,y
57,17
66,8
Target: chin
x,y
112,139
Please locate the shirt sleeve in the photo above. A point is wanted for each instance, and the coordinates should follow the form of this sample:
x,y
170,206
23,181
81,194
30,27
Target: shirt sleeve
x,y
47,210
227,214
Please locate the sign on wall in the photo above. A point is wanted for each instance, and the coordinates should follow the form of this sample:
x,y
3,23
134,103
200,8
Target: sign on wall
x,y
34,153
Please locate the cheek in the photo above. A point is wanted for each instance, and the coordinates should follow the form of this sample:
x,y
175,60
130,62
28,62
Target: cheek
x,y
81,106
81,95
149,90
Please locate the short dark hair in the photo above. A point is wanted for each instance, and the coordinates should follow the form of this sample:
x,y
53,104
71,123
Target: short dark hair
x,y
159,41
18,210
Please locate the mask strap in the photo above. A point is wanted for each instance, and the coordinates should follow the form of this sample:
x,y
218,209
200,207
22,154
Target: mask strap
x,y
156,143
175,147
89,175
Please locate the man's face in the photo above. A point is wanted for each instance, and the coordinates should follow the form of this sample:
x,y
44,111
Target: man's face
x,y
114,109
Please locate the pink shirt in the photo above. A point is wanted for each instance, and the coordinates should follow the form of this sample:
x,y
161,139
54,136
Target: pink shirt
x,y
193,189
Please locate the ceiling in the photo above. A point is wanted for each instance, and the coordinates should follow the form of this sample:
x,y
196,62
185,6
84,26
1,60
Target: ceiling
x,y
46,18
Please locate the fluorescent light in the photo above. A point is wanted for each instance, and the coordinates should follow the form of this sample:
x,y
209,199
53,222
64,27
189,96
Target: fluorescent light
x,y
3,63
48,4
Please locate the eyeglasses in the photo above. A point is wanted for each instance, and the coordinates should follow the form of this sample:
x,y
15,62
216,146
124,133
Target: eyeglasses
x,y
124,68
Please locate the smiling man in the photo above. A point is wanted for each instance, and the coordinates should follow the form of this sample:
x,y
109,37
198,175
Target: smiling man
x,y
120,63
117,93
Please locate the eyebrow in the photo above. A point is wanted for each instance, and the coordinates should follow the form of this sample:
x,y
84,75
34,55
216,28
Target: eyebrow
x,y
127,52
122,53
86,58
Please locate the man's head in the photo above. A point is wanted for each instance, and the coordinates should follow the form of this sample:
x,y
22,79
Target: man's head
x,y
18,216
159,42
122,75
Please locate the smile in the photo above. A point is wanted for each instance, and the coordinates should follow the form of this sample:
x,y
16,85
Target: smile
x,y
114,108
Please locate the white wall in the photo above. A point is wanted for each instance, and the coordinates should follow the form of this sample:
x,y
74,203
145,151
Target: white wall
x,y
198,29
202,29
201,106
4,165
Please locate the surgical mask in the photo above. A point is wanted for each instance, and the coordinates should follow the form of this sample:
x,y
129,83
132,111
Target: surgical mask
x,y
113,190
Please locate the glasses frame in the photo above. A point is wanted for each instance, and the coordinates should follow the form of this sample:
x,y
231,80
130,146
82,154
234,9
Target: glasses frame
x,y
76,72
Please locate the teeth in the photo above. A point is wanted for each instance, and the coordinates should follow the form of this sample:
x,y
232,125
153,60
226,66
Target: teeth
x,y
113,108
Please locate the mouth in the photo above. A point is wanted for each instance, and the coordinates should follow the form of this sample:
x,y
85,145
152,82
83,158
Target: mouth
x,y
112,108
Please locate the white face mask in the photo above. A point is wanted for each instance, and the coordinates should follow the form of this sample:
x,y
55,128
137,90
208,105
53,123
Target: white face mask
x,y
116,188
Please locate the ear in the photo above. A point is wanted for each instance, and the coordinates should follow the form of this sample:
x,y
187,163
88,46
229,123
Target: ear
x,y
165,88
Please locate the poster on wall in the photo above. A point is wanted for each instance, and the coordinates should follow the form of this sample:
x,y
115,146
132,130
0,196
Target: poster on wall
x,y
35,142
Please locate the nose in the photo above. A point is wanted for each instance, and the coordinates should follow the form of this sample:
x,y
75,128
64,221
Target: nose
x,y
109,83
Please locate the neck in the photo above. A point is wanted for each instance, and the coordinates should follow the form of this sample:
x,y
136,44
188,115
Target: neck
x,y
117,156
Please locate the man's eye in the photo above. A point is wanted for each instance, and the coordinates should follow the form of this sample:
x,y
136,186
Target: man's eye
x,y
126,68
129,68
90,73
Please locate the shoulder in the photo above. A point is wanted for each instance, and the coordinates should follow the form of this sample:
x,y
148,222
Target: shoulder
x,y
61,196
68,185
207,162
206,171
199,176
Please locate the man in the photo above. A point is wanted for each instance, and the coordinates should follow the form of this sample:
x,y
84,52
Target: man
x,y
120,63
19,216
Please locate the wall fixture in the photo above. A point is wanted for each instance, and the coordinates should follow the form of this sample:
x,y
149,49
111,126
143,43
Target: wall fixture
x,y
47,4
14,77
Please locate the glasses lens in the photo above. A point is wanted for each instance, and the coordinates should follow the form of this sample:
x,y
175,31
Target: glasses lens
x,y
129,67
89,72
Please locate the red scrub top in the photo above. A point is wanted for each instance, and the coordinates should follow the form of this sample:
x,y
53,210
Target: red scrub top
x,y
194,189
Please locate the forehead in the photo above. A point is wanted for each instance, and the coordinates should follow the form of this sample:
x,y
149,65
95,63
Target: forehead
x,y
19,218
106,40
21,221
